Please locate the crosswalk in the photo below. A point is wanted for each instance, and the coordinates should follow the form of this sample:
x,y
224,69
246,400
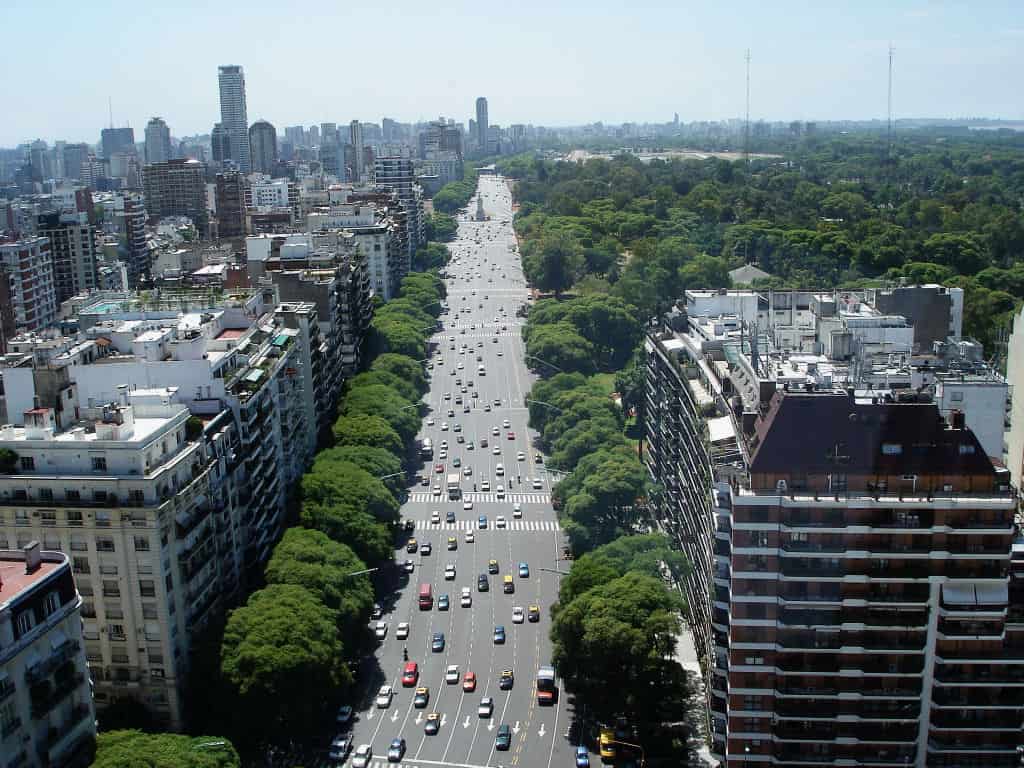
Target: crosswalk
x,y
510,498
471,525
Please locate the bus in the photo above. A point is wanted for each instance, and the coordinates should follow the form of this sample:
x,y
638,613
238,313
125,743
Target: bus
x,y
547,691
426,597
454,486
426,449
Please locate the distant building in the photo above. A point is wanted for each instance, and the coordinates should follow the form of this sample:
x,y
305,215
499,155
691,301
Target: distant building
x,y
747,274
263,146
229,196
46,711
74,251
220,145
75,156
27,272
482,128
177,188
117,141
234,116
356,139
158,141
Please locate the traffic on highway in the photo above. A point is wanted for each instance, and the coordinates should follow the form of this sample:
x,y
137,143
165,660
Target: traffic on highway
x,y
464,659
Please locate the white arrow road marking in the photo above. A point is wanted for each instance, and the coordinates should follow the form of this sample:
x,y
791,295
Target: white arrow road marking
x,y
370,714
466,724
444,719
515,728
541,731
419,717
490,725
394,716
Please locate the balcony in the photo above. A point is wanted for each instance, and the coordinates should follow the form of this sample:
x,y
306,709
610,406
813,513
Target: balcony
x,y
43,668
44,698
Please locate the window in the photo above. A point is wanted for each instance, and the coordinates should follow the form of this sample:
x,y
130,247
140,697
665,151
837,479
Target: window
x,y
957,397
28,463
20,517
25,622
966,449
116,631
99,463
48,517
99,496
148,611
111,588
52,604
113,611
46,494
108,570
74,517
147,587
136,497
77,545
104,544
88,610
71,494
892,449
8,717
141,544
103,519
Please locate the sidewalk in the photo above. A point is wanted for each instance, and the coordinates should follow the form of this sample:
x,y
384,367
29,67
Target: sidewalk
x,y
686,655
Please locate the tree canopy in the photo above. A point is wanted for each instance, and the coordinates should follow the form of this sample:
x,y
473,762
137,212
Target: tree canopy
x,y
135,749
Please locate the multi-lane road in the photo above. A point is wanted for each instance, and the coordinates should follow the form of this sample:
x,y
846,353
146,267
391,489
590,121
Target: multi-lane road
x,y
485,287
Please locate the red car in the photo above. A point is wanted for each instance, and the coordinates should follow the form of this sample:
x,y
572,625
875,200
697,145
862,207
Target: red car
x,y
511,435
411,675
439,468
469,682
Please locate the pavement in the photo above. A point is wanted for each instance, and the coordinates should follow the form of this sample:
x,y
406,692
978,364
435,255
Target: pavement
x,y
466,740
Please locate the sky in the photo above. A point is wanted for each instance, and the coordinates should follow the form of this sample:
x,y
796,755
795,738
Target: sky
x,y
550,62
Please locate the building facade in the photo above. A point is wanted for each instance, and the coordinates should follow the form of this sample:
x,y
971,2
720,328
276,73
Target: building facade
x,y
234,115
263,147
158,141
74,251
26,268
229,197
176,188
482,127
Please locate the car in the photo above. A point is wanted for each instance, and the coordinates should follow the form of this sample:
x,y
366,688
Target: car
x,y
470,445
453,543
467,505
521,456
435,517
506,423
495,431
447,396
499,635
341,745
538,458
496,450
483,442
467,470
449,572
362,757
482,584
457,428
442,454
443,602
507,679
450,516
433,724
470,537
582,757
517,510
396,750
422,697
426,548
380,631
408,566
424,480
411,546
481,522
384,696
459,439
524,570
485,485
533,613
437,642
402,630
537,484
517,614
497,402
344,716
410,674
430,421
487,408
436,490
377,611
504,738
499,469
451,674
499,521
492,566
469,682
467,598
511,435
451,412
444,424
486,707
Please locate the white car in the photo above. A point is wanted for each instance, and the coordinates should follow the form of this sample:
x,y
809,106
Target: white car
x,y
486,707
444,426
437,489
466,600
467,505
402,630
499,521
435,516
521,456
517,615
430,421
381,630
499,470
384,696
500,490
362,757
449,572
470,537
517,510
451,674
485,485
495,431
442,454
496,450
536,484
506,424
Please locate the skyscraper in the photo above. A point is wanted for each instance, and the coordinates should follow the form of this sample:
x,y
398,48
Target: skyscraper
x,y
481,124
115,140
176,188
263,146
233,115
220,145
356,138
158,141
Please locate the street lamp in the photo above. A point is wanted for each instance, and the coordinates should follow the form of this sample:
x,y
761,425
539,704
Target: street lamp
x,y
547,405
361,573
551,365
553,570
393,474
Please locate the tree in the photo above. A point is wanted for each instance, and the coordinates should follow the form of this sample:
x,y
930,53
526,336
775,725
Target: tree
x,y
135,749
367,429
284,657
379,462
705,272
556,264
432,256
561,349
340,482
609,324
383,401
311,559
441,227
341,521
403,387
963,253
403,367
400,337
642,554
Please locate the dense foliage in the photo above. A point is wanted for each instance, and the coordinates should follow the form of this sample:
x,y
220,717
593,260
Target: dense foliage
x,y
455,194
834,212
135,749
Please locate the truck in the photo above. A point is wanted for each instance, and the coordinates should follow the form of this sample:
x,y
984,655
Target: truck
x,y
454,487
547,691
426,449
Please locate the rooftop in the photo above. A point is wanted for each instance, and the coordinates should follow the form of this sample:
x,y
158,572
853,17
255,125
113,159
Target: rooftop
x,y
13,578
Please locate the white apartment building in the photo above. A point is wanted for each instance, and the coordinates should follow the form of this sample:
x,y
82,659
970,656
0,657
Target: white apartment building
x,y
28,291
46,711
373,234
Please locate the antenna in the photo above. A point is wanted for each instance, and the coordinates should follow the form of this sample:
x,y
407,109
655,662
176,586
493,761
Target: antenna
x,y
110,106
889,136
746,132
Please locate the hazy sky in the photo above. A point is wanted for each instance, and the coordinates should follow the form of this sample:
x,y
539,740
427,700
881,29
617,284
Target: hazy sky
x,y
543,62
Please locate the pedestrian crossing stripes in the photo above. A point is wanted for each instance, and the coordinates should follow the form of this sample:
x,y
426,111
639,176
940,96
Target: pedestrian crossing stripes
x,y
510,498
471,525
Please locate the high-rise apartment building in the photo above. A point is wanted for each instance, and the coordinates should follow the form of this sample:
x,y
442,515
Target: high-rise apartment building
x,y
220,145
74,251
482,129
229,196
115,141
176,188
234,116
263,146
399,175
158,141
46,710
75,156
27,271
356,139
128,221
855,591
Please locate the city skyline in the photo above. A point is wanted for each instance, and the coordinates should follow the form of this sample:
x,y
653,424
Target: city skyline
x,y
820,64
